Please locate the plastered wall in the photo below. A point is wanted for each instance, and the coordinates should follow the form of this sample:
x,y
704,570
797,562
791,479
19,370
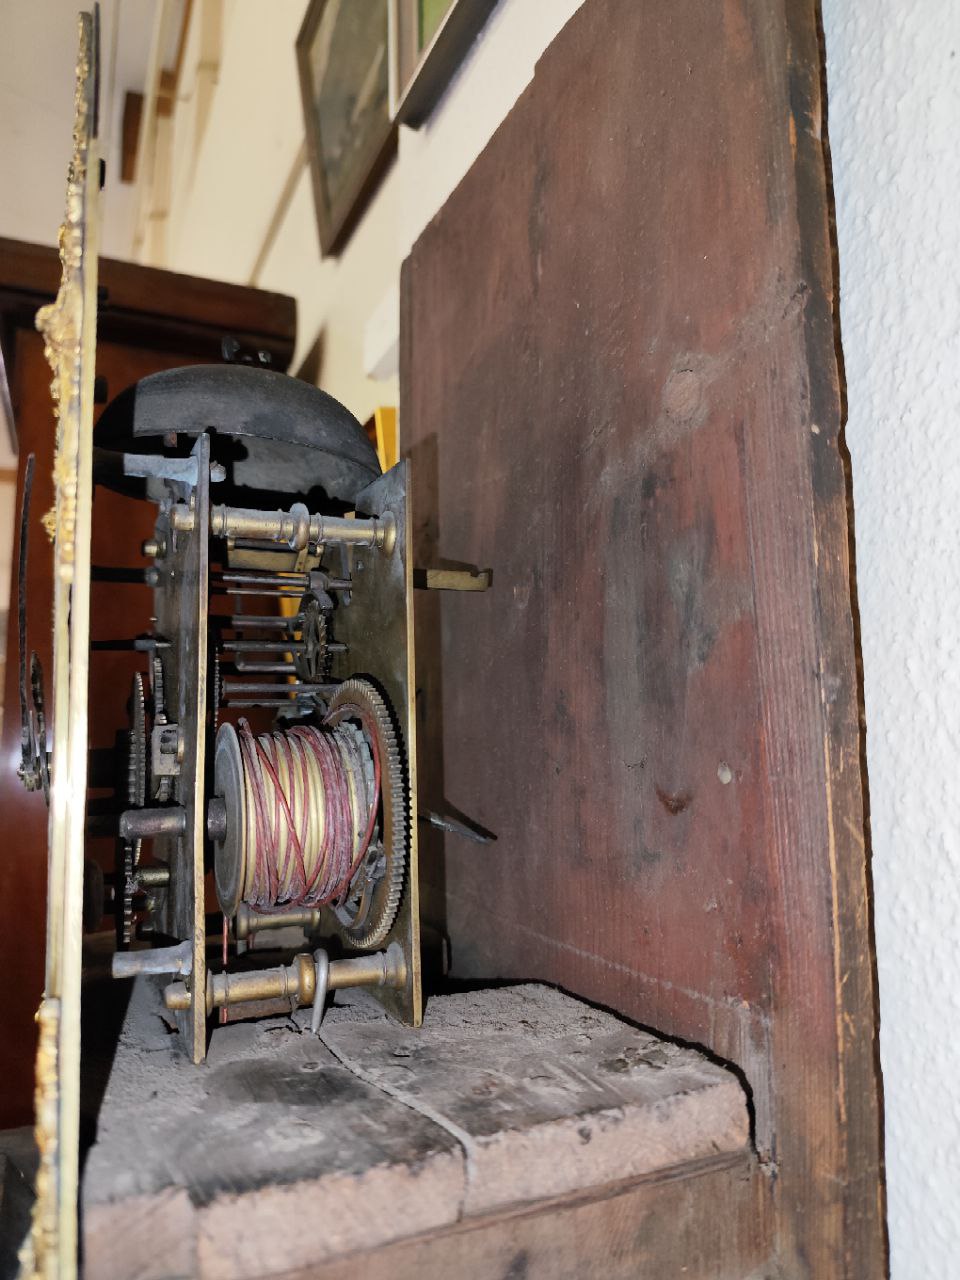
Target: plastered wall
x,y
894,120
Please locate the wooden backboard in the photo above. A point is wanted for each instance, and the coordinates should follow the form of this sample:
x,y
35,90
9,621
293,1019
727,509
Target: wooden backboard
x,y
619,389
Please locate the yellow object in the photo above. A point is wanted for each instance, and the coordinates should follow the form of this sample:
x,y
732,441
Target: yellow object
x,y
388,443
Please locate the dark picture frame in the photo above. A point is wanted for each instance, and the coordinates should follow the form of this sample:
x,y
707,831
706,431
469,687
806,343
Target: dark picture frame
x,y
344,56
425,60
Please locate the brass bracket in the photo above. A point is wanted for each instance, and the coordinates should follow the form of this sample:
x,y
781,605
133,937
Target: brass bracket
x,y
453,579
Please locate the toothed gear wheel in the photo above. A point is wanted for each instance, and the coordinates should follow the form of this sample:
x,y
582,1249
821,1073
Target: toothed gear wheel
x,y
216,686
137,746
136,798
162,786
34,768
36,693
312,662
378,883
129,888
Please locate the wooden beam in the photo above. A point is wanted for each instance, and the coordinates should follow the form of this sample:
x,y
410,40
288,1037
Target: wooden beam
x,y
145,306
130,136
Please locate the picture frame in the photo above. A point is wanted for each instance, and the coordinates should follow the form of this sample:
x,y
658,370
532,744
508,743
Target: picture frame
x,y
430,40
344,59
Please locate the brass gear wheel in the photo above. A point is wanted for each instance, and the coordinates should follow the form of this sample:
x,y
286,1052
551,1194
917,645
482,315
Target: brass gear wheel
x,y
36,694
216,688
137,746
162,786
370,910
136,798
312,662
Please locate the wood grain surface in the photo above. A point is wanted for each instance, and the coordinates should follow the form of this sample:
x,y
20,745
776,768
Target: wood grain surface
x,y
619,390
158,309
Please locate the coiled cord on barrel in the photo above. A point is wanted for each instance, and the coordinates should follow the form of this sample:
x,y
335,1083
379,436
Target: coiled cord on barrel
x,y
311,812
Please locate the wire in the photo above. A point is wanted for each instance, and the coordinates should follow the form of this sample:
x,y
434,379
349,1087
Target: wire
x,y
311,812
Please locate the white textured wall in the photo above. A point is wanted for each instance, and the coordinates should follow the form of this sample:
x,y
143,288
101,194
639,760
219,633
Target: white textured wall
x,y
894,120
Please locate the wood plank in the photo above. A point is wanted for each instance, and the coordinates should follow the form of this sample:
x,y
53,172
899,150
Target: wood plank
x,y
619,390
130,135
506,1101
660,1226
150,307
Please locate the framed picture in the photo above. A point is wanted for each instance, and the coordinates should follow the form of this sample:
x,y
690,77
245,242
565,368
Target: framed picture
x,y
431,38
344,57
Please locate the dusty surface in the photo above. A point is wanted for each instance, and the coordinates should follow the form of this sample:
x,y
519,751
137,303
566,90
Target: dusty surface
x,y
548,1095
270,1105
505,1096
